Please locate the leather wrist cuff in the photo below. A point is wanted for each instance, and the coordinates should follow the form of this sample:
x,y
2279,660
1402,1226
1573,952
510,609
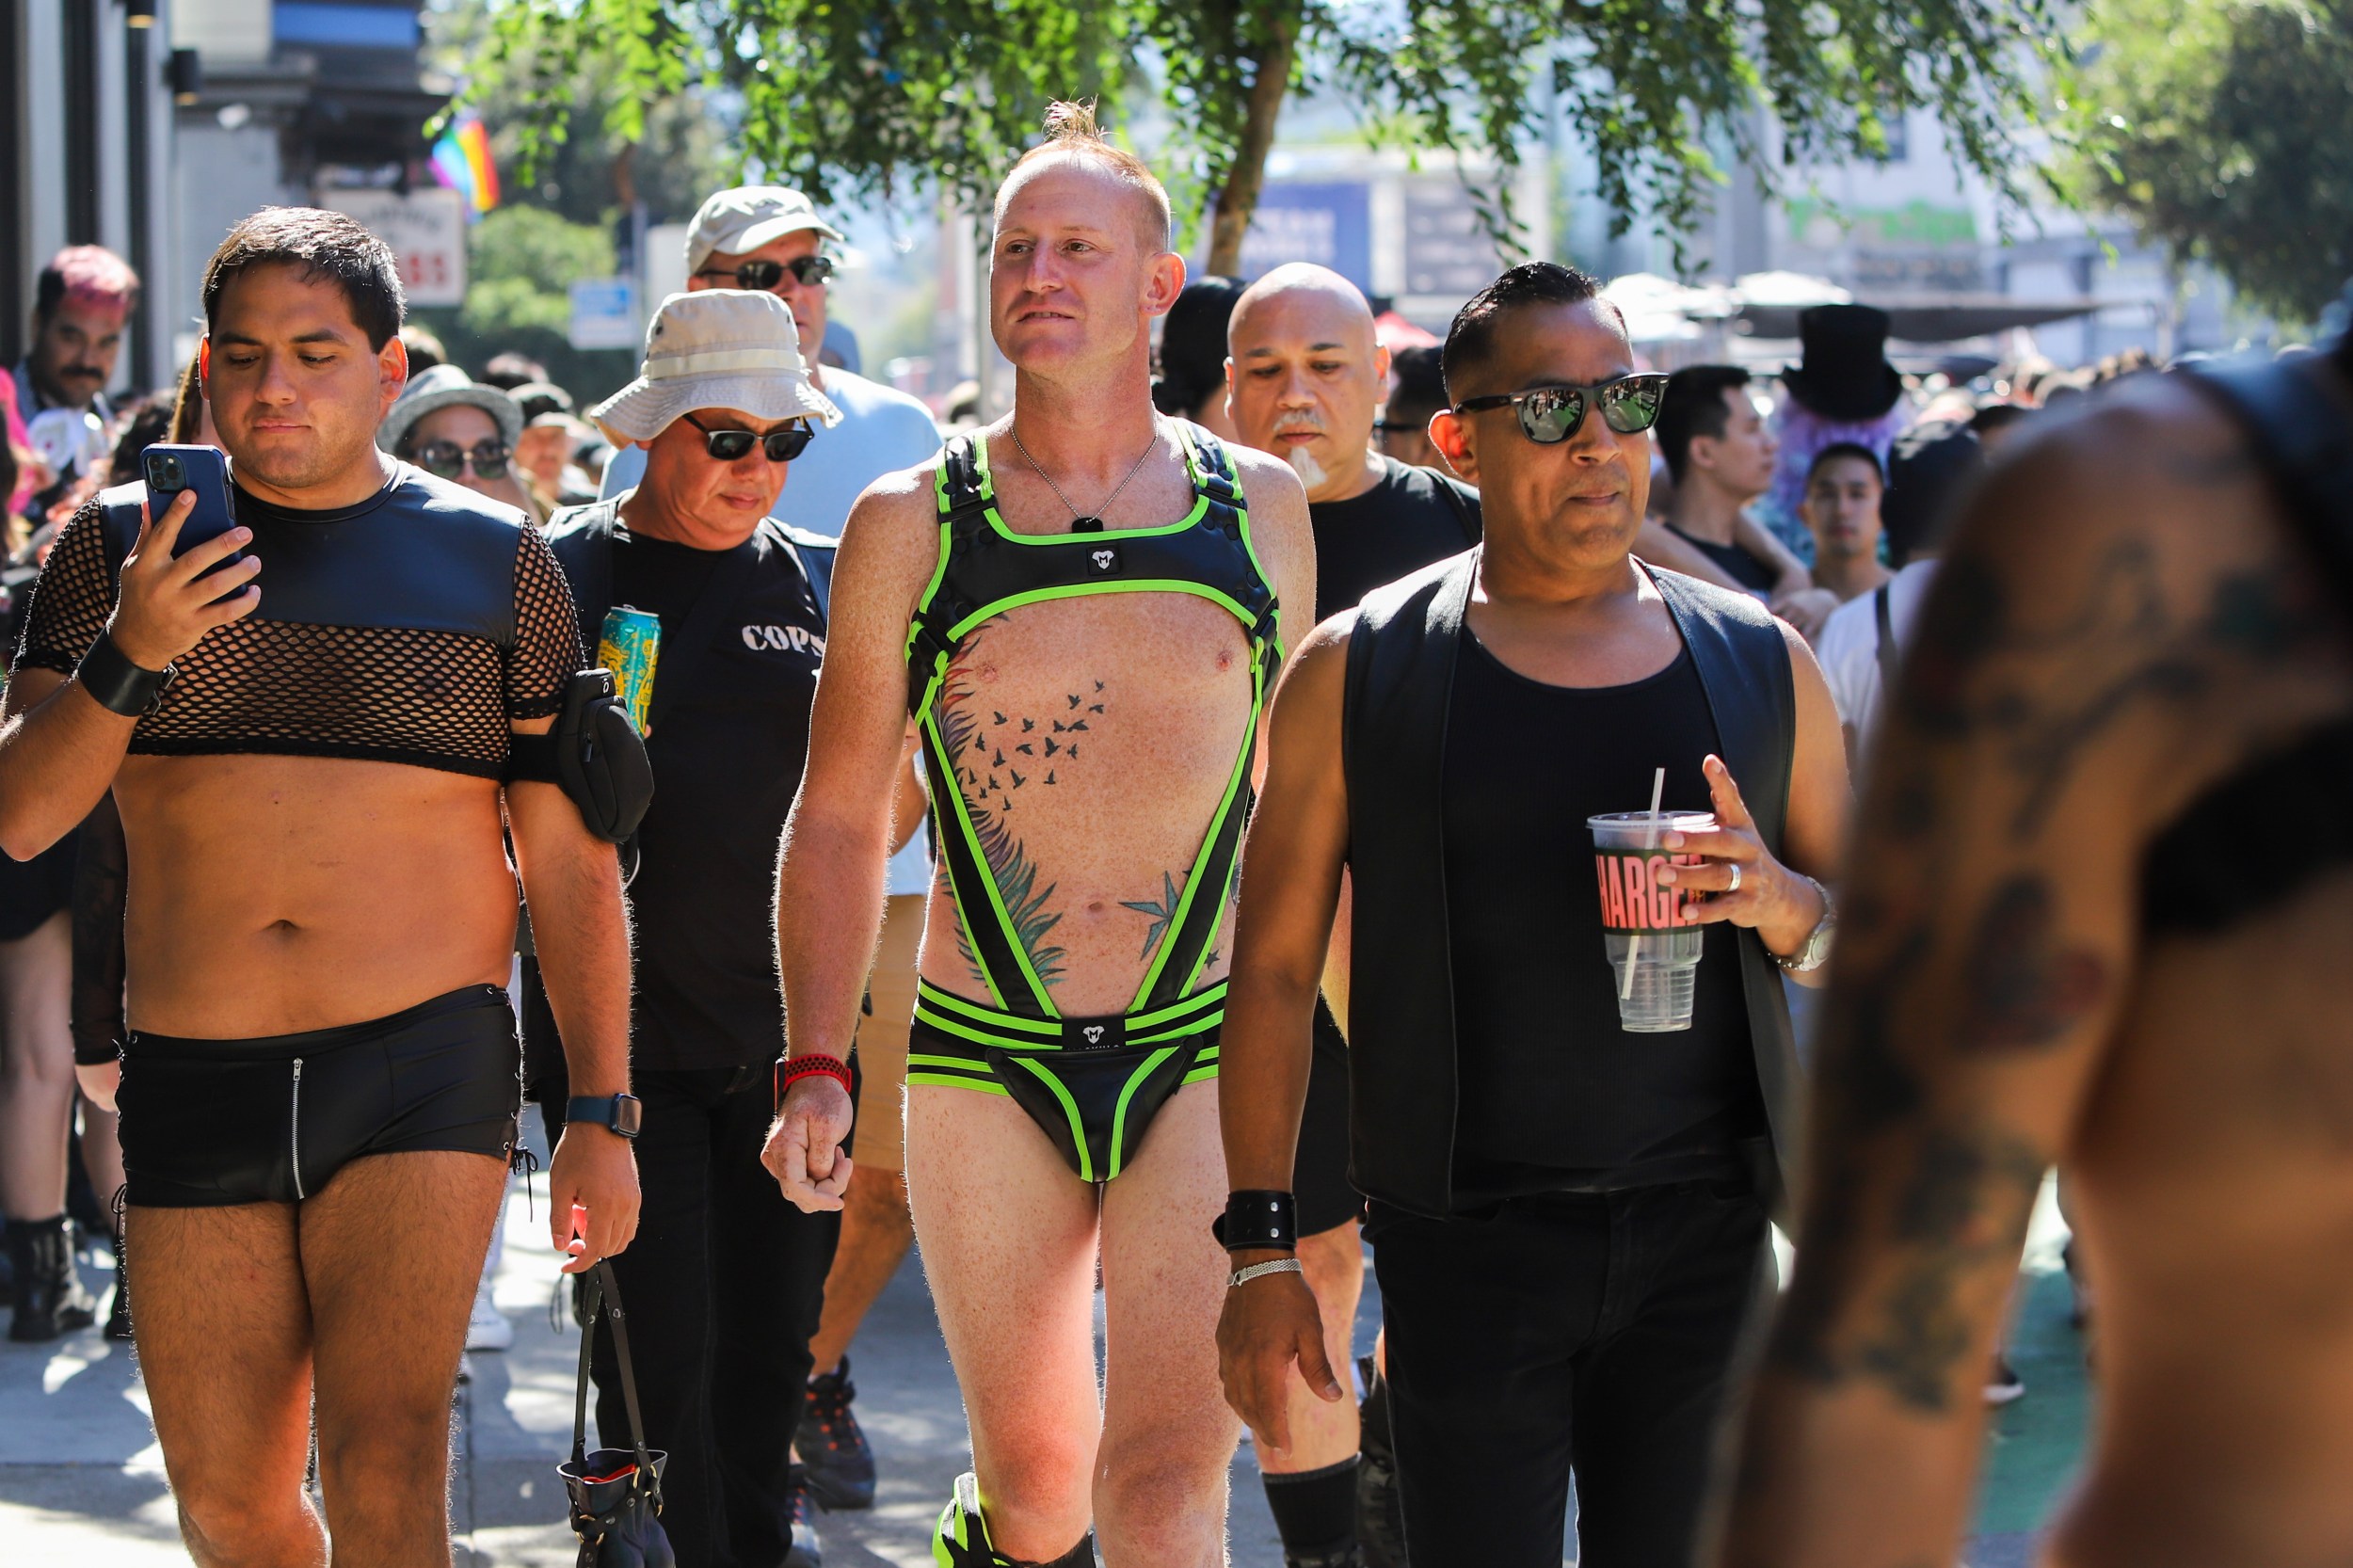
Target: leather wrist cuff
x,y
119,686
1258,1219
792,1067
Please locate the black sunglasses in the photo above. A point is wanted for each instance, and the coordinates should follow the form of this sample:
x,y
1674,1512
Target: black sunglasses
x,y
1550,415
447,459
781,445
763,276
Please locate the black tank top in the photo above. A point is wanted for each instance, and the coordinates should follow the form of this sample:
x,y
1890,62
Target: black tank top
x,y
1554,1094
1741,566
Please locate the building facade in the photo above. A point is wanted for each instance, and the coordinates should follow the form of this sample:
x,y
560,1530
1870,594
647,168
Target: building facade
x,y
151,126
85,158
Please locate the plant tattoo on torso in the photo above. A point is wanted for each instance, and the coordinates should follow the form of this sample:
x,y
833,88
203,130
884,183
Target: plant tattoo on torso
x,y
1005,763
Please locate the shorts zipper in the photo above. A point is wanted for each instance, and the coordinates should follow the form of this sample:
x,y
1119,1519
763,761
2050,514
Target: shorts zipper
x,y
294,1142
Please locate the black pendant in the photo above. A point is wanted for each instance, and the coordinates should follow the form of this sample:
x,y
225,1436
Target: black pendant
x,y
1086,525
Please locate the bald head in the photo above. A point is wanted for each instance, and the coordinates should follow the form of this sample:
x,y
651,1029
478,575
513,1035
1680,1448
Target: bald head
x,y
1302,291
1306,372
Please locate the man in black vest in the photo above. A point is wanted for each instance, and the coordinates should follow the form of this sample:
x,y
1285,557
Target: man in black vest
x,y
1569,1218
727,1279
1305,371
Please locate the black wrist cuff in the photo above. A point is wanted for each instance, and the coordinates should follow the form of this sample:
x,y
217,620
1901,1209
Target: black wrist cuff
x,y
96,1050
1258,1219
119,686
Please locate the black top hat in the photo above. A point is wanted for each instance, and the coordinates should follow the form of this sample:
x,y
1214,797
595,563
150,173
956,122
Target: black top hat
x,y
1844,374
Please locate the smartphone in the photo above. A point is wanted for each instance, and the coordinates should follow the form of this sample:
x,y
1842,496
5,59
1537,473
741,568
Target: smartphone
x,y
204,470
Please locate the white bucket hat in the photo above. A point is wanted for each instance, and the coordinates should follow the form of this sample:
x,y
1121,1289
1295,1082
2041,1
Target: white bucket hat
x,y
718,349
745,217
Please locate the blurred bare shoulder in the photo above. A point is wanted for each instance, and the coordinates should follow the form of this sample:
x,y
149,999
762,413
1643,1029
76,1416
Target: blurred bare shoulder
x,y
2126,577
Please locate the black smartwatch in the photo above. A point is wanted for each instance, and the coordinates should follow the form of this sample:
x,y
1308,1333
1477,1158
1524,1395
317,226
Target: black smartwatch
x,y
119,686
618,1113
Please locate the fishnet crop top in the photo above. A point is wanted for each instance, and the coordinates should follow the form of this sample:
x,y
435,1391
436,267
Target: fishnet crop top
x,y
410,628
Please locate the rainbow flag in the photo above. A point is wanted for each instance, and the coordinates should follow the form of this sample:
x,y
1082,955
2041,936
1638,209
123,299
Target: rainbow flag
x,y
461,162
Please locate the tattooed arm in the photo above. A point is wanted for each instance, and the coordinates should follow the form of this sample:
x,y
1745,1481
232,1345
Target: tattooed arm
x,y
2101,644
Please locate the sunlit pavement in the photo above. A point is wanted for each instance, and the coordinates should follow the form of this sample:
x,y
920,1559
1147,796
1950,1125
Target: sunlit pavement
x,y
82,1485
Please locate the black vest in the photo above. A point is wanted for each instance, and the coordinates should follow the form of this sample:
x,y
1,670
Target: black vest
x,y
1401,679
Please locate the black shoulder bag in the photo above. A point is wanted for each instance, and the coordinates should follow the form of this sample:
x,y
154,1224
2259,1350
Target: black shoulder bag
x,y
615,1493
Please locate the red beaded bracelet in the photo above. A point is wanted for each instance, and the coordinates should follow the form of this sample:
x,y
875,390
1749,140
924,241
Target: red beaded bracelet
x,y
792,1067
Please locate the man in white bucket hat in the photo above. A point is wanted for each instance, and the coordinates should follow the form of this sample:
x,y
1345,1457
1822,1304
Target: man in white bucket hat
x,y
726,1289
772,238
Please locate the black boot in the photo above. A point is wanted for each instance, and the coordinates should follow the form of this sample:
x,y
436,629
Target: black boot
x,y
1379,1515
50,1301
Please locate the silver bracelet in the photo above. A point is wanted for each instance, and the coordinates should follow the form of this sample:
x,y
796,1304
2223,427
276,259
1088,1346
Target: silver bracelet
x,y
1280,1266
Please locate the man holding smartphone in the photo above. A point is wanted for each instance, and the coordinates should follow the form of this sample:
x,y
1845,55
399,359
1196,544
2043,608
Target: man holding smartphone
x,y
319,1083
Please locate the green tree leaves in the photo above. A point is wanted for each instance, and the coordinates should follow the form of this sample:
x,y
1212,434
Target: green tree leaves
x,y
856,98
2220,127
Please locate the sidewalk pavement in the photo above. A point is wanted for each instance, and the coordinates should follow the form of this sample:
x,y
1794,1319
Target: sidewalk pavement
x,y
81,1483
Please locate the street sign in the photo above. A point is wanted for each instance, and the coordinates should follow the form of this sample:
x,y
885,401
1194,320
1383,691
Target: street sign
x,y
426,230
1325,222
605,314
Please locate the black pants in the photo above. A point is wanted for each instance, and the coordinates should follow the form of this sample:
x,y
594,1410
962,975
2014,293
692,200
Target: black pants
x,y
723,1287
1591,1332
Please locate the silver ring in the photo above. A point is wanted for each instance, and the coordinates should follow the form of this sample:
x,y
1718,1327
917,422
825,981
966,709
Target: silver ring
x,y
1736,878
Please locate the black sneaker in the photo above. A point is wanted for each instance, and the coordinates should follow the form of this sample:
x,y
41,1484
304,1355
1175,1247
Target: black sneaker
x,y
2002,1383
833,1449
1380,1514
805,1551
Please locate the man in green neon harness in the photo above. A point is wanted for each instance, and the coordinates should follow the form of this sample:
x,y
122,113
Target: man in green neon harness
x,y
1079,612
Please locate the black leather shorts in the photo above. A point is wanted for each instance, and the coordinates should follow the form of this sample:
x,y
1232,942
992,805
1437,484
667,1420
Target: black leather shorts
x,y
208,1123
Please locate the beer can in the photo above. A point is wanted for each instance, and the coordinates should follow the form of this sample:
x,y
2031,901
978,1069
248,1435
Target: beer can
x,y
628,644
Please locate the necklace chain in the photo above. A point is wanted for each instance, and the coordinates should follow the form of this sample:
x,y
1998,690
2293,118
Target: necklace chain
x,y
1075,515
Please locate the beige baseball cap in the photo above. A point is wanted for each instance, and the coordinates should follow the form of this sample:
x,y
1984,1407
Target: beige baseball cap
x,y
746,218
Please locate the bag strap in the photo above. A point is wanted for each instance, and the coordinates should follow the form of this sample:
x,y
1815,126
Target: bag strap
x,y
604,1294
1886,649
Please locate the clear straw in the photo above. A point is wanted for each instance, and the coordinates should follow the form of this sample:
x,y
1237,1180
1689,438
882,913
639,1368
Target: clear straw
x,y
1650,841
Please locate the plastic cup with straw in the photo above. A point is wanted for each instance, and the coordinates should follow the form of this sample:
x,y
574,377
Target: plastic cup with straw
x,y
1650,841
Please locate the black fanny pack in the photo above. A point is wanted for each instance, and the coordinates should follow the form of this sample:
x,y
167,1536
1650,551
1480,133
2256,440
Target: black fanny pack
x,y
615,1493
594,754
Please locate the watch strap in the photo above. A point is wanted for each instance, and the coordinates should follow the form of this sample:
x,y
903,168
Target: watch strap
x,y
117,686
604,1111
1815,950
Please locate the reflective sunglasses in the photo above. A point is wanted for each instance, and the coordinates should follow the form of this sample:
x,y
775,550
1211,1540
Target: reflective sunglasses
x,y
1550,415
761,277
447,459
781,446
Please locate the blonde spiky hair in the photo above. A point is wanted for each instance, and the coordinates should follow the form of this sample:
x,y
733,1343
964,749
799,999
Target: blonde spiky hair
x,y
1071,131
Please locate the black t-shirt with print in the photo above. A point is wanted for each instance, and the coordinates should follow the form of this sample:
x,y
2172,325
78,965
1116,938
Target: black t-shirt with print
x,y
727,749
